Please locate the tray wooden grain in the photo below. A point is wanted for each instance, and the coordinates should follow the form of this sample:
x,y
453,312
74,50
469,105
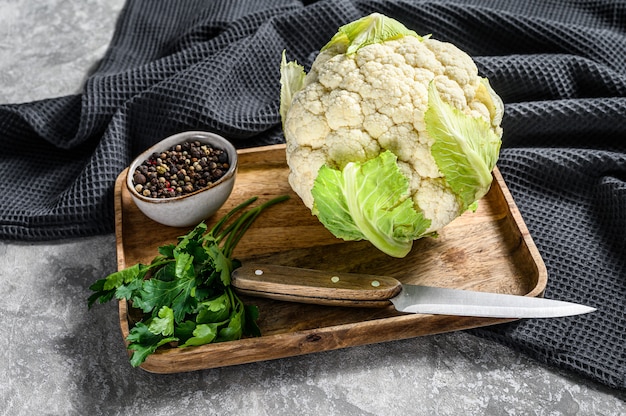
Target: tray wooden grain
x,y
488,250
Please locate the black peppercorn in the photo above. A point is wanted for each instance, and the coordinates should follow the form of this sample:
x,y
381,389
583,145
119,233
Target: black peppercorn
x,y
139,178
182,169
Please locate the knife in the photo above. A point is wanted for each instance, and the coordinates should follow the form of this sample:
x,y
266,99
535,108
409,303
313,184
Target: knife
x,y
363,290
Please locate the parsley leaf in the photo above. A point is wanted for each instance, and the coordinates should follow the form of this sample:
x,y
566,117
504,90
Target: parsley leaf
x,y
202,334
144,342
157,293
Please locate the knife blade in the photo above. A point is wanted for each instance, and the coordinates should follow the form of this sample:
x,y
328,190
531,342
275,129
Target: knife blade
x,y
363,290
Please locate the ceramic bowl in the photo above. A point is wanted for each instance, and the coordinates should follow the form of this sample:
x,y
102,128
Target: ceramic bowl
x,y
189,209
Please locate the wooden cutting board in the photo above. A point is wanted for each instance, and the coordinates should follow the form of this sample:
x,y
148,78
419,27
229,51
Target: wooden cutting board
x,y
487,250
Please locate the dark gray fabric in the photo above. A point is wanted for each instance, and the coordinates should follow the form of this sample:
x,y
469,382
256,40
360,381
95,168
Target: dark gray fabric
x,y
560,67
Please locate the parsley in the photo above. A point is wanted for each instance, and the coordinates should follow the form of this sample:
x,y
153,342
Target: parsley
x,y
184,294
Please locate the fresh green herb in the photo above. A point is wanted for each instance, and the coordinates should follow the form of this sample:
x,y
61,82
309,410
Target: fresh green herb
x,y
184,294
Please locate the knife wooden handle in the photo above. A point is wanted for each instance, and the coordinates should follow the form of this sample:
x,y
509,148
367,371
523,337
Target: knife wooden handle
x,y
315,286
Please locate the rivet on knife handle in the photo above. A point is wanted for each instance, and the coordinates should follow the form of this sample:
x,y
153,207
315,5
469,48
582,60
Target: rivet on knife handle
x,y
315,286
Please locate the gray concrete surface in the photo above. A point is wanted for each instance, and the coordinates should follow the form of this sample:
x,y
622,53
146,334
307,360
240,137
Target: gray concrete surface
x,y
58,358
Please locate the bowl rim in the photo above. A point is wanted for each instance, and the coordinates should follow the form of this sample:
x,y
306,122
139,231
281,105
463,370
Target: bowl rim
x,y
179,138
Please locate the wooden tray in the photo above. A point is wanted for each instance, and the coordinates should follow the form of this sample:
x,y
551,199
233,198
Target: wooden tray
x,y
488,250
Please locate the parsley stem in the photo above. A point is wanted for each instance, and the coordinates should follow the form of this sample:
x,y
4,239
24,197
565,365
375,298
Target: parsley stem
x,y
216,228
236,230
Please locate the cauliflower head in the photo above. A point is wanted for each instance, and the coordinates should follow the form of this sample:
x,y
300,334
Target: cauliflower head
x,y
390,136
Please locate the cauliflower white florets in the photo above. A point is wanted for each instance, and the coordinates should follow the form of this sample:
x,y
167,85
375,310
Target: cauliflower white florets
x,y
380,98
352,107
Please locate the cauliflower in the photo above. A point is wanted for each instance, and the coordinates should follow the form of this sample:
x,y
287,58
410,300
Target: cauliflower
x,y
390,136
